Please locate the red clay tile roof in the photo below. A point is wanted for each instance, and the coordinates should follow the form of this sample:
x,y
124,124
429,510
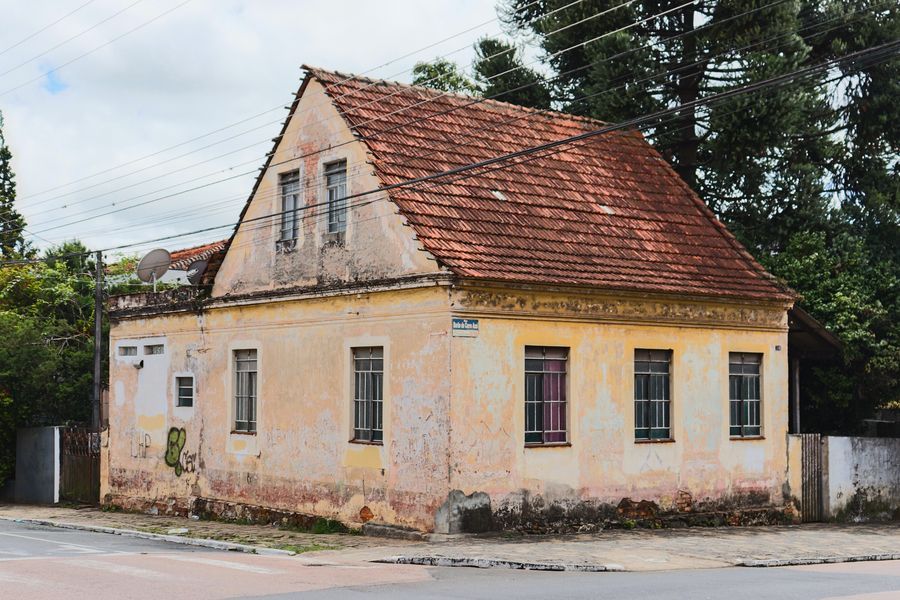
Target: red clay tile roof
x,y
182,259
607,212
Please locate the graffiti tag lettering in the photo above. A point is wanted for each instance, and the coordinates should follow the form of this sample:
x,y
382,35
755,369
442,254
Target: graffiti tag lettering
x,y
174,446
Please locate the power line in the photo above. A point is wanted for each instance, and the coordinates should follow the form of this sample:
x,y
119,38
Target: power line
x,y
101,46
381,98
876,53
74,37
381,117
665,72
257,115
46,27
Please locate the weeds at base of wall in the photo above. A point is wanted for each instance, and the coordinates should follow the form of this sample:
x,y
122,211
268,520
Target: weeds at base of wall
x,y
866,506
532,514
229,512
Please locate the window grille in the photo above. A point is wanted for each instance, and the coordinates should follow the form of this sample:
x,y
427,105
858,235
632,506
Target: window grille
x,y
368,398
744,394
245,380
290,203
545,395
185,389
336,186
652,394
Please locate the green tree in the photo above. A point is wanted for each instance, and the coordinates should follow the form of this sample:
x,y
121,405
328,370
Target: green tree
x,y
501,74
46,345
12,240
442,74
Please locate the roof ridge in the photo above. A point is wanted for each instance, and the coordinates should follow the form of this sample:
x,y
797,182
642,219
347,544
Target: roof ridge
x,y
552,113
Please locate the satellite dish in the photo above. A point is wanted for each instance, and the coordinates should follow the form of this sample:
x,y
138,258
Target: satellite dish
x,y
153,266
195,271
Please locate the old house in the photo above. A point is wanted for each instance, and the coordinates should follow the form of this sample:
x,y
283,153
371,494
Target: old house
x,y
531,343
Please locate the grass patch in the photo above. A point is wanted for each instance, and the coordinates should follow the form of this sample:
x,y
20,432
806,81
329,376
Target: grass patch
x,y
320,525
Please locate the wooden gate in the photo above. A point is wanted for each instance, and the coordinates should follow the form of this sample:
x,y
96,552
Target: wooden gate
x,y
79,465
811,508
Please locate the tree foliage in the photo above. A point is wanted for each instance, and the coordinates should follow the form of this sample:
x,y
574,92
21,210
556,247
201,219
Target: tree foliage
x,y
501,74
46,345
442,74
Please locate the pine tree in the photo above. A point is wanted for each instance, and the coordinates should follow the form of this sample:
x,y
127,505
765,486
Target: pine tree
x,y
501,74
12,240
444,75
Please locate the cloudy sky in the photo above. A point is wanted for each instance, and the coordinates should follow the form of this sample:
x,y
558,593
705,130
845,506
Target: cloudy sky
x,y
100,107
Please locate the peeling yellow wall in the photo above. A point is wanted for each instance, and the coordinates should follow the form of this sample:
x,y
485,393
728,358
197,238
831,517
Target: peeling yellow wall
x,y
454,406
376,244
300,458
603,461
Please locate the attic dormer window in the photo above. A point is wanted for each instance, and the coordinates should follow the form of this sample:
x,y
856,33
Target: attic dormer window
x,y
336,189
290,203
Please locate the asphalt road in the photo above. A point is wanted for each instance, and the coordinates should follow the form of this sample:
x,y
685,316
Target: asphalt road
x,y
43,562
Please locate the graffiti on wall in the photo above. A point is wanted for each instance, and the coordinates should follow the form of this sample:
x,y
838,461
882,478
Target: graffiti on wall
x,y
174,446
140,441
176,456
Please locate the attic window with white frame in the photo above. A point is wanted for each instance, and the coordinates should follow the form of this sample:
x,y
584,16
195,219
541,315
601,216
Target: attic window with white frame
x,y
289,185
336,190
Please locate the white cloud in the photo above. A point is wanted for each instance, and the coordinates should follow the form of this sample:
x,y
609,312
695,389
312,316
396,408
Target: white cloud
x,y
204,66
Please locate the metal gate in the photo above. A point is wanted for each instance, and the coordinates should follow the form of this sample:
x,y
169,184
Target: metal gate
x,y
79,465
811,455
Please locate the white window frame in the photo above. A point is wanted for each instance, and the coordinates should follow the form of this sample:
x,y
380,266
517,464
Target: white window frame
x,y
235,389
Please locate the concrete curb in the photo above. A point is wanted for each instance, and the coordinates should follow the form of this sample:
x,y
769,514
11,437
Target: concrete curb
x,y
491,563
144,535
818,560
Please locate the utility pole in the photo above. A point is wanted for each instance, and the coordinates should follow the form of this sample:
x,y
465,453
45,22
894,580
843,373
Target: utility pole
x,y
98,338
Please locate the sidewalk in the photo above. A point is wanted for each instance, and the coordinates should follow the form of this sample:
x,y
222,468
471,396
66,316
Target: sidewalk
x,y
635,550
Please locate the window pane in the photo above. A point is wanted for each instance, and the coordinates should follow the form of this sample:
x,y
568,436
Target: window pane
x,y
368,404
336,187
652,394
545,394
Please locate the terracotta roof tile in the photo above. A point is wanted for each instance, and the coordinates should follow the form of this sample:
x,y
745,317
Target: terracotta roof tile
x,y
607,212
182,259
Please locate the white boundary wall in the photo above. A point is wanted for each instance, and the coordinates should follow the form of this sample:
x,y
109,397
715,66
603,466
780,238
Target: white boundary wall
x,y
862,478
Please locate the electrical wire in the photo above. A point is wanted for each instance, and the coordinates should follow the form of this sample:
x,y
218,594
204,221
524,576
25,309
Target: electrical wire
x,y
880,52
46,27
280,106
381,117
100,47
663,73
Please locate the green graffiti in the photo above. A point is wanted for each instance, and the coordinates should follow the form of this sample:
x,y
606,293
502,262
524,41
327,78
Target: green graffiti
x,y
174,445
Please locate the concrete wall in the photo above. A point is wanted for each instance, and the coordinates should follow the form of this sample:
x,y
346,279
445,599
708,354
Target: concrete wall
x,y
37,465
862,480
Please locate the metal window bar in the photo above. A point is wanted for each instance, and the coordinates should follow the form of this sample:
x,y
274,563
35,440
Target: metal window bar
x,y
545,395
185,387
744,394
290,203
245,377
368,398
652,394
336,187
